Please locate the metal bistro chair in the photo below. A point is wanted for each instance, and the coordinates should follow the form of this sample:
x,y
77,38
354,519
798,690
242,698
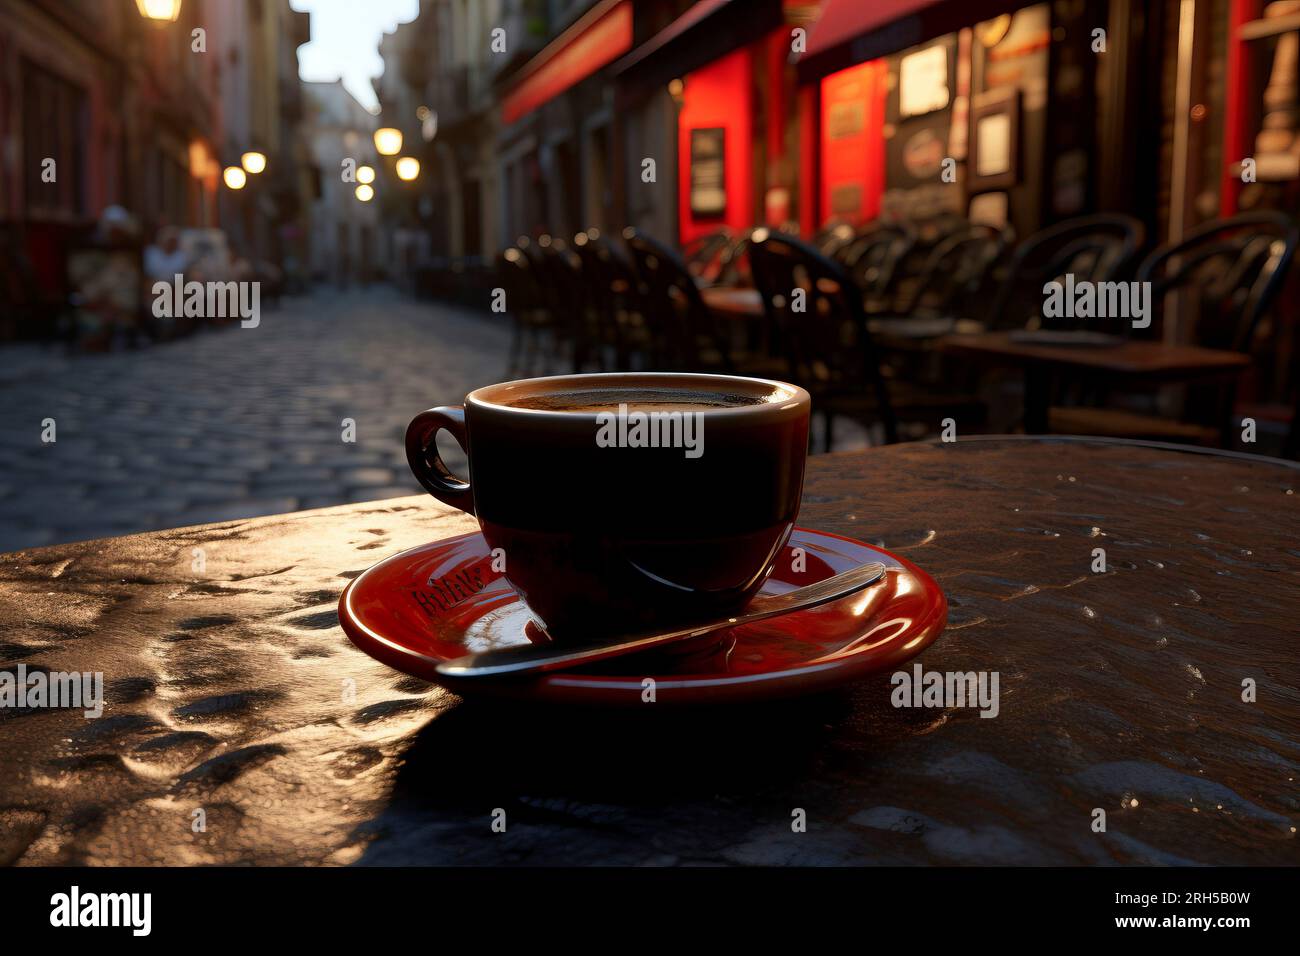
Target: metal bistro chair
x,y
953,281
1234,268
949,294
683,329
833,236
703,256
611,286
568,302
823,332
733,262
1226,273
1100,248
873,257
527,304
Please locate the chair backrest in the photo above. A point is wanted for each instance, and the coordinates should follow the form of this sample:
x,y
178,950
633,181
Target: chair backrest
x,y
703,255
833,236
1100,248
733,262
953,280
518,276
564,288
1231,270
680,320
874,254
817,320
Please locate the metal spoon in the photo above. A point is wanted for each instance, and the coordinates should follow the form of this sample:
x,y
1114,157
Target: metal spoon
x,y
539,658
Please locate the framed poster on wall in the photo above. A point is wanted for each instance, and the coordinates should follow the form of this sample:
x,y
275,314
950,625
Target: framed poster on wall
x,y
708,171
995,140
923,81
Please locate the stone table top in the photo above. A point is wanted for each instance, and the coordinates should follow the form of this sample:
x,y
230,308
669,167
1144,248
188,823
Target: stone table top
x,y
231,690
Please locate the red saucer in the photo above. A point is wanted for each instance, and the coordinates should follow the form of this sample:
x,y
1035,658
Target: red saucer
x,y
442,600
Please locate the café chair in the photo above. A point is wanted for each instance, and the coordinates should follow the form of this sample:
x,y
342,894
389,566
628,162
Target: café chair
x,y
685,334
1099,248
527,305
1230,269
568,303
733,262
954,279
1226,274
621,334
703,255
816,320
873,258
833,236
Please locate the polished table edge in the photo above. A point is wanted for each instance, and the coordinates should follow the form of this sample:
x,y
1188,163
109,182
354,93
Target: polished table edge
x,y
998,347
1245,456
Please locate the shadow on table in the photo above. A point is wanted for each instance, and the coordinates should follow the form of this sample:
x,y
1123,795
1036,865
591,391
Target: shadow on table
x,y
622,756
591,785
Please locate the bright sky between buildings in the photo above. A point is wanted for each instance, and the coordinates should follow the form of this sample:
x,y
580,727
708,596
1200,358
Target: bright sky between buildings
x,y
345,41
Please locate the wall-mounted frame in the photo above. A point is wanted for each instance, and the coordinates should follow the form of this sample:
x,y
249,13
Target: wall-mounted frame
x,y
994,158
923,81
709,171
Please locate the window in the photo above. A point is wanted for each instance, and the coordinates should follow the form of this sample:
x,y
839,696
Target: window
x,y
54,127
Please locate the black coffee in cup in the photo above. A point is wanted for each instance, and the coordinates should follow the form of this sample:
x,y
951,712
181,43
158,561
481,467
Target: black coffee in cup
x,y
639,399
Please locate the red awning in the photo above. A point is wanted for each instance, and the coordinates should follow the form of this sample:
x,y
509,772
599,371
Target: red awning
x,y
677,28
844,20
706,32
849,32
599,37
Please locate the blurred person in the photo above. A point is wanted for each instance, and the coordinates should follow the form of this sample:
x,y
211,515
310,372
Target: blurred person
x,y
165,259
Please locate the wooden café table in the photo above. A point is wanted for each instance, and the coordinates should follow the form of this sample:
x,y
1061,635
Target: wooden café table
x,y
1132,361
234,691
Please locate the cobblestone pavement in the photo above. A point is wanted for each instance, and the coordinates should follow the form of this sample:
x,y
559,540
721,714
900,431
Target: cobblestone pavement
x,y
232,423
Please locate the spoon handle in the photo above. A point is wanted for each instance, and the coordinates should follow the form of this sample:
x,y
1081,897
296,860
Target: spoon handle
x,y
539,658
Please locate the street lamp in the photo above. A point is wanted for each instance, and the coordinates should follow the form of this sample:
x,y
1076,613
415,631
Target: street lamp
x,y
253,161
234,177
365,193
408,167
365,174
167,10
388,141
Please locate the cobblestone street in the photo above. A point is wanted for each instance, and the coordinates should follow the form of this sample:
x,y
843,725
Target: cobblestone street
x,y
232,423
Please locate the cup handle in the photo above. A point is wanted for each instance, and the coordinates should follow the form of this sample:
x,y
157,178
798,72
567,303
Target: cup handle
x,y
426,463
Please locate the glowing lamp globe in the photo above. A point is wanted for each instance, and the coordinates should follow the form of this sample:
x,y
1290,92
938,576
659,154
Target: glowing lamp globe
x,y
388,141
166,10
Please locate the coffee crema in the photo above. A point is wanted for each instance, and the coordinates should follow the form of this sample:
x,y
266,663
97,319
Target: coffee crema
x,y
635,400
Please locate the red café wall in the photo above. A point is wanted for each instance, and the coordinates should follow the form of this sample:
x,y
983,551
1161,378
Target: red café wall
x,y
719,94
857,156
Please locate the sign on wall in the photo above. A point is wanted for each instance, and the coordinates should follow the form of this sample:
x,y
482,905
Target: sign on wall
x,y
923,81
708,171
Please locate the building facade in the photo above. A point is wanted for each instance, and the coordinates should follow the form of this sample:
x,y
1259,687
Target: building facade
x,y
107,114
344,245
